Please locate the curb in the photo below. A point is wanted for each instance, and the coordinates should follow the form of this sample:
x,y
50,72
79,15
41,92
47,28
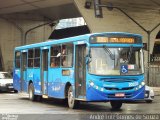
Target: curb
x,y
156,91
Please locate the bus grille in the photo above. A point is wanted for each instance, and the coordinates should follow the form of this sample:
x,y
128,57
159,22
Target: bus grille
x,y
115,80
126,88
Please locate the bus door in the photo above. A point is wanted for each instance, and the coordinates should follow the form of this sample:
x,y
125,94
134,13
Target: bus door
x,y
44,71
23,70
80,71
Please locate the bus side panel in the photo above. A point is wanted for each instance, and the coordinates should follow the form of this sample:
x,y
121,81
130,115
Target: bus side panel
x,y
54,81
37,81
67,76
29,75
57,81
34,76
16,79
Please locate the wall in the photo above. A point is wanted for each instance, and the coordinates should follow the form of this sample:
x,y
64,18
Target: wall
x,y
11,37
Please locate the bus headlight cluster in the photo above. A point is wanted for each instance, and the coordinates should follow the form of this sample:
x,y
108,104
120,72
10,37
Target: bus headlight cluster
x,y
91,83
102,89
140,85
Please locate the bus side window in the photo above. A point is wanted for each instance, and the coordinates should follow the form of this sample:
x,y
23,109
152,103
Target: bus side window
x,y
67,55
37,58
55,59
17,59
30,58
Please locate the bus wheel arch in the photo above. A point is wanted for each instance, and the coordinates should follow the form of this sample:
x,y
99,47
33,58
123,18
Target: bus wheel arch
x,y
30,81
68,84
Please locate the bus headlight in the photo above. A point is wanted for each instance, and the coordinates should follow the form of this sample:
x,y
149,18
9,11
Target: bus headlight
x,y
140,86
102,89
142,83
91,83
136,88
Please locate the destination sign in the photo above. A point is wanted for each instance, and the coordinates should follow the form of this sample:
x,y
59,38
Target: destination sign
x,y
113,40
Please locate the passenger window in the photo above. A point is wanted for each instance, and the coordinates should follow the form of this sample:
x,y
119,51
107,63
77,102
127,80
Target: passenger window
x,y
67,55
37,58
30,58
55,56
17,59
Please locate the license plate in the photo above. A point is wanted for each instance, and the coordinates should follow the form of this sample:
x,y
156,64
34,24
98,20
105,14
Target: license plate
x,y
119,95
10,86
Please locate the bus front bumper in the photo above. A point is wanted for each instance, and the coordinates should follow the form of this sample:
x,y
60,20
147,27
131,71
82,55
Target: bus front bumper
x,y
96,95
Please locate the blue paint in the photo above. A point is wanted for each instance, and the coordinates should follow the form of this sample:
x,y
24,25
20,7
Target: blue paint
x,y
119,82
25,87
96,95
16,79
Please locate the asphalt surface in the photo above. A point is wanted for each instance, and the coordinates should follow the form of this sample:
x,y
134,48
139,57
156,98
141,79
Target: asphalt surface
x,y
12,103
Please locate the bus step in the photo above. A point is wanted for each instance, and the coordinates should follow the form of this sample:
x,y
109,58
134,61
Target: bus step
x,y
80,99
44,96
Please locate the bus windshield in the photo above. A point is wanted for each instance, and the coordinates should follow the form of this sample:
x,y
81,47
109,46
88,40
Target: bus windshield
x,y
111,61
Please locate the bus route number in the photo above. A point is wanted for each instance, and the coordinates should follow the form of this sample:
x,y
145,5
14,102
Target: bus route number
x,y
133,84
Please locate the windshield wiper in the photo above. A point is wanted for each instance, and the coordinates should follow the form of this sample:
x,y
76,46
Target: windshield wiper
x,y
89,57
130,53
107,50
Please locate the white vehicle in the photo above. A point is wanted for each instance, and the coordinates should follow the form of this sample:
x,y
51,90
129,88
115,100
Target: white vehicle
x,y
149,94
6,82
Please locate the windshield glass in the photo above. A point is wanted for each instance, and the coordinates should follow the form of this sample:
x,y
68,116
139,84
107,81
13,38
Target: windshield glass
x,y
5,76
116,61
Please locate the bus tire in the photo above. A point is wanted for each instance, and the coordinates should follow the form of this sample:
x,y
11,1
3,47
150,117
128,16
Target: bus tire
x,y
32,97
72,103
15,91
38,98
148,101
116,105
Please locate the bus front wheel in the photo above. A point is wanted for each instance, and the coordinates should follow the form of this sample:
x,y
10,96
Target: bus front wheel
x,y
72,103
116,105
31,92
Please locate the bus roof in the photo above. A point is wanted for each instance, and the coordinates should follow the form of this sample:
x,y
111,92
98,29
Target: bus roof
x,y
73,39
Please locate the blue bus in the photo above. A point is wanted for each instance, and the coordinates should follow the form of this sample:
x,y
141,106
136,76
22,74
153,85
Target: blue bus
x,y
99,67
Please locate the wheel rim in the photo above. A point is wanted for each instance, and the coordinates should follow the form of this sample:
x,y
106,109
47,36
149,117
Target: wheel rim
x,y
70,97
30,94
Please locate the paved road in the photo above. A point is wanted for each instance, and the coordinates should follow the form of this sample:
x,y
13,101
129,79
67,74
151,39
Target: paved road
x,y
12,103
